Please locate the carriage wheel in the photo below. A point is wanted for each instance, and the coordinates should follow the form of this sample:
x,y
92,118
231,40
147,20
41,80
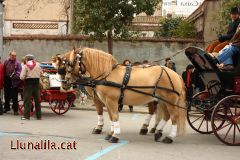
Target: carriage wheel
x,y
228,111
21,107
199,114
60,106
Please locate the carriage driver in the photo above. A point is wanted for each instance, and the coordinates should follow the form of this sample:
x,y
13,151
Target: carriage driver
x,y
224,58
31,73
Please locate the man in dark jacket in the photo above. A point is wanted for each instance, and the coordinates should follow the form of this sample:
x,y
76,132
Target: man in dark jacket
x,y
223,40
12,69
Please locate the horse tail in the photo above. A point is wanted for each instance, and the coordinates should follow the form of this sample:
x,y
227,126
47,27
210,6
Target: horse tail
x,y
181,123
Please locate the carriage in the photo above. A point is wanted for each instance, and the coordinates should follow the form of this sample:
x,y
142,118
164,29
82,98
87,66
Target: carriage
x,y
50,93
216,110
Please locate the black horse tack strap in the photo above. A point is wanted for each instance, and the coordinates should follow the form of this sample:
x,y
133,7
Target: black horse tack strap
x,y
123,87
93,83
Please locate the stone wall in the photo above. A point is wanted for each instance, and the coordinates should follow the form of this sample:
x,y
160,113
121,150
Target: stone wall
x,y
44,47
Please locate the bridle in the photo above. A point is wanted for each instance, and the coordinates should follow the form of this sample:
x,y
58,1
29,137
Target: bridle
x,y
69,65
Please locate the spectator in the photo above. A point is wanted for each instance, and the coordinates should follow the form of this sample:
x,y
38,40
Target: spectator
x,y
223,40
1,86
188,80
170,64
11,72
31,73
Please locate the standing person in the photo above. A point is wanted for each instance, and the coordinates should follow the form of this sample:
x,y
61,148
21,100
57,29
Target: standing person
x,y
1,86
188,80
170,64
31,73
11,72
223,40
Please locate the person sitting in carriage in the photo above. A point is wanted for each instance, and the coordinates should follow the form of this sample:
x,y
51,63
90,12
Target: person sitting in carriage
x,y
224,58
223,40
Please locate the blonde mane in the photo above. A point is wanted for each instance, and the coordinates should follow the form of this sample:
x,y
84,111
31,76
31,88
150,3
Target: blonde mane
x,y
99,61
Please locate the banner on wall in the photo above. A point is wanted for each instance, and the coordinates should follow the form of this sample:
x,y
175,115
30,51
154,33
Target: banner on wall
x,y
180,7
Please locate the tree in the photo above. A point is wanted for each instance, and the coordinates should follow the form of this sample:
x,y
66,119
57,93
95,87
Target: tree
x,y
108,18
175,27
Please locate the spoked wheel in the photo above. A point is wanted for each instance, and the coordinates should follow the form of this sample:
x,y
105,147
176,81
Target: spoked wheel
x,y
21,107
227,111
60,106
199,113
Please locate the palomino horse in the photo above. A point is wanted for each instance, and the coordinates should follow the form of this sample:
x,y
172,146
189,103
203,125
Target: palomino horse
x,y
61,63
144,85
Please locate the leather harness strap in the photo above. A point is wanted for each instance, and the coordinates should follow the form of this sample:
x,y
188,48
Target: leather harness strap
x,y
123,86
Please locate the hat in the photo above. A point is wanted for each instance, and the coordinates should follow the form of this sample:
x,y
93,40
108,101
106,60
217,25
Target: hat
x,y
29,57
234,10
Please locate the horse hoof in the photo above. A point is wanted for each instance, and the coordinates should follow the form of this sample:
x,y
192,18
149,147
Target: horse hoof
x,y
152,130
157,135
108,137
143,131
96,131
113,140
167,140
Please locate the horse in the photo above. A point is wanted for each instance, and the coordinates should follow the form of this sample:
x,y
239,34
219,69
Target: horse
x,y
61,64
145,84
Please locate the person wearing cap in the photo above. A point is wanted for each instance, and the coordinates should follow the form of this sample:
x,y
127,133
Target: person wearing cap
x,y
224,59
223,40
31,73
188,81
11,71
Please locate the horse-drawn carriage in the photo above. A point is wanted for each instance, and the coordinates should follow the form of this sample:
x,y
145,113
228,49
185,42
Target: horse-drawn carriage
x,y
59,102
216,110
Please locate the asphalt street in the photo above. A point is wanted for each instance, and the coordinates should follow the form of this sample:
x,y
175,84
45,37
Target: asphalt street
x,y
58,134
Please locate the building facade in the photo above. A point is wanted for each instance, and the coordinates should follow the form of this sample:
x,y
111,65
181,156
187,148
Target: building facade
x,y
49,17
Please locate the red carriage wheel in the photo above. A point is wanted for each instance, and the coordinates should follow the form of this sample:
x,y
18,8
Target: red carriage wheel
x,y
21,107
199,113
60,106
227,111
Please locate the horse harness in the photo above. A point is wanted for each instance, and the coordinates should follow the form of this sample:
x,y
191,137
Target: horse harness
x,y
87,81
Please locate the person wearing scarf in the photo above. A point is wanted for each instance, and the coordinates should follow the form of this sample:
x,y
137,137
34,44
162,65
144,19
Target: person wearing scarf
x,y
188,80
31,73
11,72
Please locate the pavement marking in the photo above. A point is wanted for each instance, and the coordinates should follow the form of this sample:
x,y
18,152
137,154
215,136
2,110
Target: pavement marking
x,y
135,116
106,150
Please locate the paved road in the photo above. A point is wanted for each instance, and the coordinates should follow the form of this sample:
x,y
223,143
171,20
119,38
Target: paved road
x,y
76,125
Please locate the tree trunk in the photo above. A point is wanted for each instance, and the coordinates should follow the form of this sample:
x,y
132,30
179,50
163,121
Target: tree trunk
x,y
110,42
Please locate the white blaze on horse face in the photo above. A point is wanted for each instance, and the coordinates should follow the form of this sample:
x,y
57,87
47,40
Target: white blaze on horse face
x,y
148,119
100,120
116,127
161,124
173,133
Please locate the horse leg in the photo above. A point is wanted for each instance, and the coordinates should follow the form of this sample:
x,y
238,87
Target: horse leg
x,y
109,135
151,110
99,107
173,111
165,117
158,116
115,125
